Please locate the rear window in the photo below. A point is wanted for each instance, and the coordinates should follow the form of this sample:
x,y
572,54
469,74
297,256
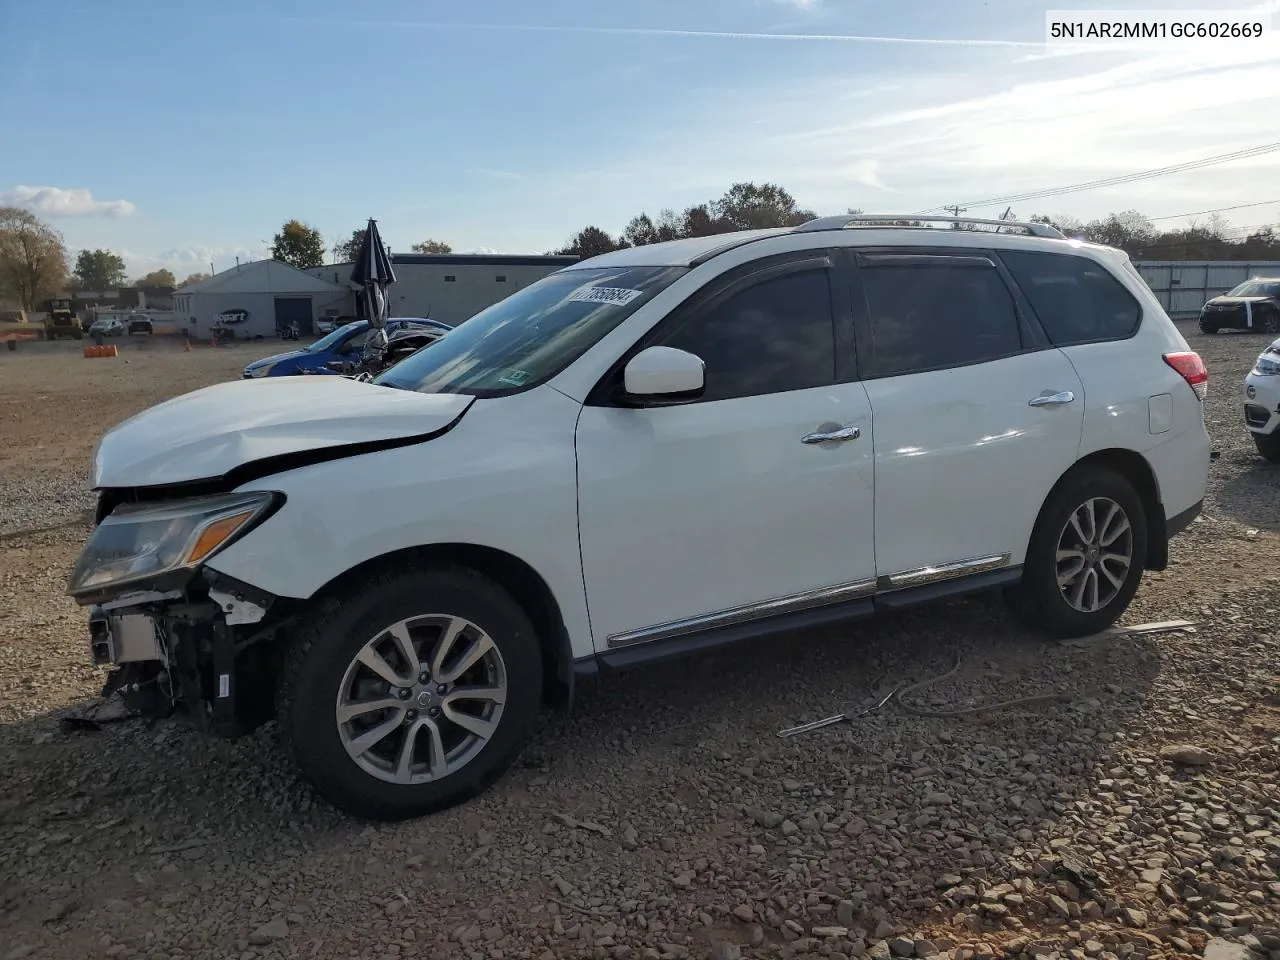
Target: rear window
x,y
1075,298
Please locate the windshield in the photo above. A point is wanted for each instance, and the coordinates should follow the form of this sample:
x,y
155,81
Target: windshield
x,y
532,335
1257,288
330,340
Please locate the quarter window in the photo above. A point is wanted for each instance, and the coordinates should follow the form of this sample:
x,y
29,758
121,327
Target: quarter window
x,y
926,316
1076,299
772,337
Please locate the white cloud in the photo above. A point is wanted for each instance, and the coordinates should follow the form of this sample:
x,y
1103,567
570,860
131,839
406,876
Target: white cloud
x,y
184,261
971,125
63,202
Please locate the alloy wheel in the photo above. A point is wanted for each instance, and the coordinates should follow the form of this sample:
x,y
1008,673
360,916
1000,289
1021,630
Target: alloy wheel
x,y
1095,554
421,699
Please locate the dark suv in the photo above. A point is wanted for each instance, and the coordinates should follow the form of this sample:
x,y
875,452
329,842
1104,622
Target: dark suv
x,y
1254,305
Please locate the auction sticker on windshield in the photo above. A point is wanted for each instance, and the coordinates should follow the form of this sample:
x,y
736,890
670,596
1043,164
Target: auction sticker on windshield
x,y
618,296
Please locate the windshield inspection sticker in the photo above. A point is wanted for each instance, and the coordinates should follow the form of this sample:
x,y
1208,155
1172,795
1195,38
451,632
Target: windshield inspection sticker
x,y
618,296
514,377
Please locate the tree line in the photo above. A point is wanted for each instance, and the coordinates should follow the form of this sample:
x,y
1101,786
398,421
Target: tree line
x,y
34,263
747,206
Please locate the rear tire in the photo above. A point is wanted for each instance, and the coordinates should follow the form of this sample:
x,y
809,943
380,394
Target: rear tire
x,y
1268,445
1271,324
1085,558
365,728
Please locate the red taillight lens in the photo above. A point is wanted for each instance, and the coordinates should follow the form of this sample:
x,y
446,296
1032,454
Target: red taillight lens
x,y
1192,369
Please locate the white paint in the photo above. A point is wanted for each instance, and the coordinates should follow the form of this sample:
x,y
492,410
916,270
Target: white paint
x,y
1160,413
658,370
207,432
638,517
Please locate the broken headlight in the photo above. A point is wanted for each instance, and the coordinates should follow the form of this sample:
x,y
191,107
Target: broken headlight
x,y
147,546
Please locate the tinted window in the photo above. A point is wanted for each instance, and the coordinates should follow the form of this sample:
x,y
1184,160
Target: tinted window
x,y
768,338
1076,299
924,316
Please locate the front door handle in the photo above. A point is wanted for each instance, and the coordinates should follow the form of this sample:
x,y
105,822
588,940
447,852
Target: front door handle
x,y
832,436
1052,399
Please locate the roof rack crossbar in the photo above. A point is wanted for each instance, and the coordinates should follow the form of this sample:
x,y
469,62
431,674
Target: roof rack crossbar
x,y
885,220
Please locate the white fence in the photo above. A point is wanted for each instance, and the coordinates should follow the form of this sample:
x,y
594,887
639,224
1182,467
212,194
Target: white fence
x,y
1183,286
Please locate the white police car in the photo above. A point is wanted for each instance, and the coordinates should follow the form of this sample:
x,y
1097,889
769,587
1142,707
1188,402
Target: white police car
x,y
1262,402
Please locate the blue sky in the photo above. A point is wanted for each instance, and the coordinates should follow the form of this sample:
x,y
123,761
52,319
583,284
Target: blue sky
x,y
179,133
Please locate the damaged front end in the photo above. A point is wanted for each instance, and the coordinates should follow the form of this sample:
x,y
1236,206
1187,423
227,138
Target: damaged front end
x,y
182,639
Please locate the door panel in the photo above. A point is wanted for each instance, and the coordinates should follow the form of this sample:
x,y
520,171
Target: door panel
x,y
975,418
963,462
694,510
724,505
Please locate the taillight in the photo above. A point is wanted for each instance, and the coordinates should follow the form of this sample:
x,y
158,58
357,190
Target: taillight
x,y
1192,369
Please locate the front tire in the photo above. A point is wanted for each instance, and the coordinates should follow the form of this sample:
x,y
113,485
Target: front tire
x,y
410,692
1085,558
1268,445
1208,327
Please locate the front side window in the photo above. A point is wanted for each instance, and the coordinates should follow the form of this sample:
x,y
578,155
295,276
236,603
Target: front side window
x,y
772,337
329,340
1076,299
532,335
923,316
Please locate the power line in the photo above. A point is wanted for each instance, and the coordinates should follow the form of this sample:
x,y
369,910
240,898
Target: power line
x,y
1125,178
1200,213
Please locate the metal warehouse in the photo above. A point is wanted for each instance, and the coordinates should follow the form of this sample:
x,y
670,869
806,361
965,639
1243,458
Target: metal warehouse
x,y
257,299
452,287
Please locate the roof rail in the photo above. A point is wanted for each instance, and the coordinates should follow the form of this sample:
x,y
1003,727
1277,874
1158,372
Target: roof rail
x,y
916,221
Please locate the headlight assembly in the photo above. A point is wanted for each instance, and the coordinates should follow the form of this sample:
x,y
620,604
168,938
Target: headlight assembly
x,y
151,545
1267,365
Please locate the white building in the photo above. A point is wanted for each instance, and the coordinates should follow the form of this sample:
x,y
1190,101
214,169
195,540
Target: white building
x,y
452,287
263,296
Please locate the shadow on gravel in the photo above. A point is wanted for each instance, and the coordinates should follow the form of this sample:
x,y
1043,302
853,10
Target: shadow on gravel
x,y
1251,493
679,750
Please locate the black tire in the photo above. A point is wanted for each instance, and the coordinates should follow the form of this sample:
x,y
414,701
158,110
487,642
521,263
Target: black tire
x,y
1271,323
325,644
1268,445
1037,600
1208,327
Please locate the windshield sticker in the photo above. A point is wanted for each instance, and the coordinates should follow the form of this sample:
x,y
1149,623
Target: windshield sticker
x,y
618,296
514,377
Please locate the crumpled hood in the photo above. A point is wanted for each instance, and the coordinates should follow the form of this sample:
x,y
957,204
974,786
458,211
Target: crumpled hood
x,y
207,433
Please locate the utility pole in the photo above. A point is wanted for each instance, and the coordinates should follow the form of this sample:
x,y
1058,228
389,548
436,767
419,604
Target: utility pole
x,y
955,209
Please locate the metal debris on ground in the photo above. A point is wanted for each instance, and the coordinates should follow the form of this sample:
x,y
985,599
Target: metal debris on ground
x,y
1137,630
91,717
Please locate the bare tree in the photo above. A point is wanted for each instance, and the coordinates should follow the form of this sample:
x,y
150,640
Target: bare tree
x,y
33,260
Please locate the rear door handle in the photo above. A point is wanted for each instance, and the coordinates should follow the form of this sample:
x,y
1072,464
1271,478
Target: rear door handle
x,y
1052,399
832,436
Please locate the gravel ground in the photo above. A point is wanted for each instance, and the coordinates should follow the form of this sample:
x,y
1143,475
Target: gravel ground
x,y
664,818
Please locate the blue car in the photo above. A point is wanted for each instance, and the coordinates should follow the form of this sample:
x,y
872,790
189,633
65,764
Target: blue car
x,y
345,343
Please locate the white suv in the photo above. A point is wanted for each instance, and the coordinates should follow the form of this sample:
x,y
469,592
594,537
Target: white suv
x,y
1262,402
645,454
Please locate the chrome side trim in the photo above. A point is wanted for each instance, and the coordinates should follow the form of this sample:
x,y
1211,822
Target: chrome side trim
x,y
946,571
754,611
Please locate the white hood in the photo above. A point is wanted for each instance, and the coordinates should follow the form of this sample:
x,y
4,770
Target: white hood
x,y
207,433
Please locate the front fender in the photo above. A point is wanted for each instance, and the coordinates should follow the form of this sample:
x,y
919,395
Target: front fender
x,y
504,478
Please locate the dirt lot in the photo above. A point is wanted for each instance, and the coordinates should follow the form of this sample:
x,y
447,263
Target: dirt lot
x,y
663,817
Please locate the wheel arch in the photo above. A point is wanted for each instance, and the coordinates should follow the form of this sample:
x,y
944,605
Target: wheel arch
x,y
523,582
1134,467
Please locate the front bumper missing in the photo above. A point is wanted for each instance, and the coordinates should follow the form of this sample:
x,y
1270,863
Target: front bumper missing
x,y
198,660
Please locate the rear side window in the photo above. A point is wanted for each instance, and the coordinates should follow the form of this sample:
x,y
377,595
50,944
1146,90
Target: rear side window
x,y
1076,299
925,316
775,336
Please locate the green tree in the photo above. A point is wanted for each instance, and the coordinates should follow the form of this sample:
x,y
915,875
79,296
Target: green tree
x,y
299,245
431,246
99,270
157,278
747,206
591,242
33,260
345,251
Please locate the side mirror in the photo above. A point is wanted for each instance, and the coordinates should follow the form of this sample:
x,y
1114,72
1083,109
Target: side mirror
x,y
664,374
